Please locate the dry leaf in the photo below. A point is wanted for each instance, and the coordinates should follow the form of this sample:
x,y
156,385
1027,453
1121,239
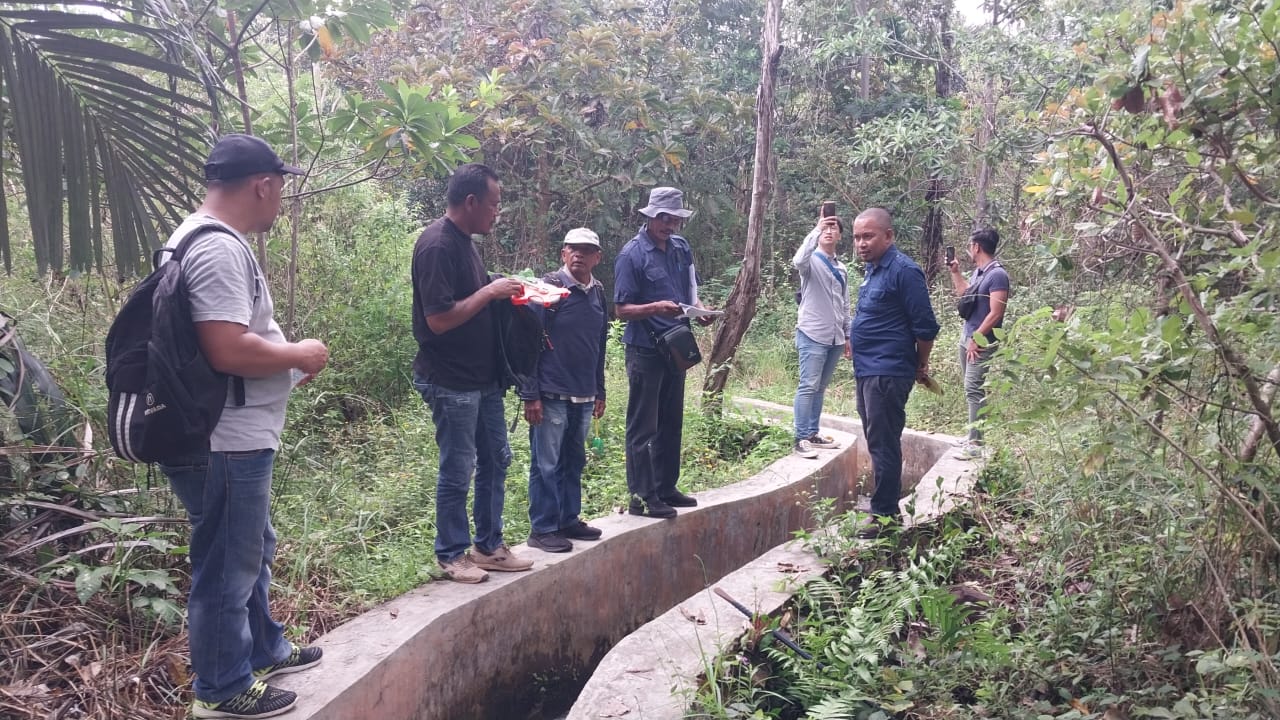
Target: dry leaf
x,y
1078,587
394,613
1079,707
177,669
24,691
89,672
698,619
614,708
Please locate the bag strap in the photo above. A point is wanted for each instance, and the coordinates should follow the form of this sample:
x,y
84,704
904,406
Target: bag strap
x,y
179,250
973,288
832,267
176,254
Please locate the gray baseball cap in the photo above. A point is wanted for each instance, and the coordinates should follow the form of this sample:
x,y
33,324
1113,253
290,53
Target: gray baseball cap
x,y
665,200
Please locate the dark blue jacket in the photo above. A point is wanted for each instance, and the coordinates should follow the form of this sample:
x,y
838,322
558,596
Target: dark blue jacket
x,y
577,328
893,312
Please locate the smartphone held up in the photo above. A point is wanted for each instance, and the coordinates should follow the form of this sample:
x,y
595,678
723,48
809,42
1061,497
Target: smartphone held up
x,y
951,254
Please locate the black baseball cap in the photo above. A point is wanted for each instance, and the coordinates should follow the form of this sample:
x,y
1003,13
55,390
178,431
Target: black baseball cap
x,y
237,156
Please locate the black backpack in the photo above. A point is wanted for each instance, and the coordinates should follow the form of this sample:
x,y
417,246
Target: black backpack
x,y
164,399
521,339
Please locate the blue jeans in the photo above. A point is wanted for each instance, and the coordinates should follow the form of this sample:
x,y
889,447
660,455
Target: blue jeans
x,y
975,374
228,499
882,405
557,456
472,438
817,364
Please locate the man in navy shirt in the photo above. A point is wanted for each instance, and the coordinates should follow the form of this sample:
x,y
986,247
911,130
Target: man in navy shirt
x,y
989,286
653,275
564,394
892,335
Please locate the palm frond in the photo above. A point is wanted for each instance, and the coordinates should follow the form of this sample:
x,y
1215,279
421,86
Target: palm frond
x,y
109,127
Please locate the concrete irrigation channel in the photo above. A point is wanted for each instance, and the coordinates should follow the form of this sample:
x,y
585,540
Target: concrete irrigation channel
x,y
607,625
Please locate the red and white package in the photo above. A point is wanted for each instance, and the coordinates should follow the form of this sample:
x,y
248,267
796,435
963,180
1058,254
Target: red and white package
x,y
539,293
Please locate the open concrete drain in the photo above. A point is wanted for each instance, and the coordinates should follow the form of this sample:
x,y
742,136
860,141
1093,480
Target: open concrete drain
x,y
522,645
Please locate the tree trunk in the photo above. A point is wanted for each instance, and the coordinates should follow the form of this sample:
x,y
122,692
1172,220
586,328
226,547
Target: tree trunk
x,y
242,98
237,66
741,306
931,239
982,184
931,231
864,60
295,204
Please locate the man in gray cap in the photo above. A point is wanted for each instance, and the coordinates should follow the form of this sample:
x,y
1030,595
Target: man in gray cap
x,y
653,276
235,644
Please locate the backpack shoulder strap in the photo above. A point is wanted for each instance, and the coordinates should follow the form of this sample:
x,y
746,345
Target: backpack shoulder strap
x,y
832,267
178,251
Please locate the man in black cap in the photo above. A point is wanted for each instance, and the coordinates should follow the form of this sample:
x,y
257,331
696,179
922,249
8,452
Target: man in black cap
x,y
653,276
235,644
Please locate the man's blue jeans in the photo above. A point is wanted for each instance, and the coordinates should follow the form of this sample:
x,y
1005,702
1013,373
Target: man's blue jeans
x,y
228,499
882,405
817,364
557,457
472,438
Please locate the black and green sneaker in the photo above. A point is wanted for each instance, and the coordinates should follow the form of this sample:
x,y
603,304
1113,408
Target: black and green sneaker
x,y
300,658
259,701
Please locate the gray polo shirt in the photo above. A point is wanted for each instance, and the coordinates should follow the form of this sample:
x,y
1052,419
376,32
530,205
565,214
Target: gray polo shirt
x,y
824,300
226,284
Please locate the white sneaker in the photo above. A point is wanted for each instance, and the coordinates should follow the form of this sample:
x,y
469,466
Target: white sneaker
x,y
969,451
804,449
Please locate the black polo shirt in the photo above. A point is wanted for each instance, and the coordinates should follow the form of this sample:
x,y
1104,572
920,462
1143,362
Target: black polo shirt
x,y
446,269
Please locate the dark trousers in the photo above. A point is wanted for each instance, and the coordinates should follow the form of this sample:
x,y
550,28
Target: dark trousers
x,y
882,405
655,422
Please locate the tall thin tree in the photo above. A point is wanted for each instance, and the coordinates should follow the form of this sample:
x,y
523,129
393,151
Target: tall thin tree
x,y
741,306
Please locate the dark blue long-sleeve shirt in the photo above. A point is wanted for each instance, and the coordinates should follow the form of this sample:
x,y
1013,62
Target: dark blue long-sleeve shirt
x,y
644,274
893,312
577,327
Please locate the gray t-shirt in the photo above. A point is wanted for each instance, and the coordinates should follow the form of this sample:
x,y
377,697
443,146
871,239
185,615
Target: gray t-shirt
x,y
986,280
226,283
823,314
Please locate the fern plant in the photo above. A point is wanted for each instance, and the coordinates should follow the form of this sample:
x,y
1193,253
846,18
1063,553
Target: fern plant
x,y
856,637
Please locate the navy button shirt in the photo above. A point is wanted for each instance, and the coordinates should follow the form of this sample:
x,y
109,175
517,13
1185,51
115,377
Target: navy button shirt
x,y
644,274
893,312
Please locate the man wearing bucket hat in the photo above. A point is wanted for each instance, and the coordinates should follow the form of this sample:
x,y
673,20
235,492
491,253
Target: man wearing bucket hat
x,y
653,276
564,394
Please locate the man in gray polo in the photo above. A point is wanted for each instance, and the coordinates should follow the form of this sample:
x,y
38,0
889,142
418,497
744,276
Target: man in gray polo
x,y
822,324
235,643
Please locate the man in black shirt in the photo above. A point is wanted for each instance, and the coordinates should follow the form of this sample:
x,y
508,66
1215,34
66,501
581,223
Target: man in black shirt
x,y
456,371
